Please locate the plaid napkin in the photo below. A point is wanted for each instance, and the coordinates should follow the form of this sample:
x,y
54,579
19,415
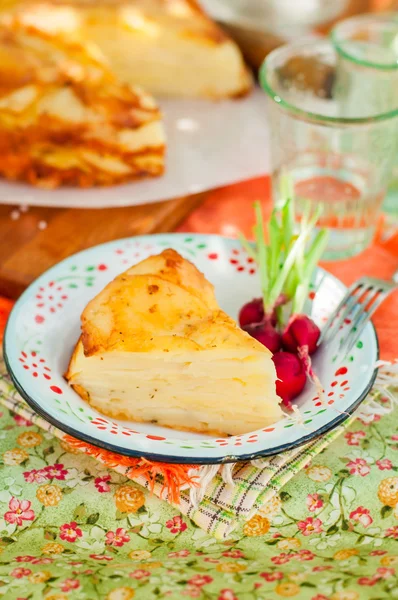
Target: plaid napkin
x,y
226,496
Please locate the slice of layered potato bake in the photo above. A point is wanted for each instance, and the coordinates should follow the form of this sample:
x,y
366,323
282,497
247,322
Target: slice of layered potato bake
x,y
65,120
170,47
156,347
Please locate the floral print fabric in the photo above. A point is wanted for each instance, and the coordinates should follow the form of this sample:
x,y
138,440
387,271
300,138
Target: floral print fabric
x,y
70,529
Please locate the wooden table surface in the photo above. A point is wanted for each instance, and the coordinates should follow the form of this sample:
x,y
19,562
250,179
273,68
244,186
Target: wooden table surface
x,y
26,251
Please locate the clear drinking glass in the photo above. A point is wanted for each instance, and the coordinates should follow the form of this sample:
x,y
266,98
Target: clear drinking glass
x,y
338,161
367,72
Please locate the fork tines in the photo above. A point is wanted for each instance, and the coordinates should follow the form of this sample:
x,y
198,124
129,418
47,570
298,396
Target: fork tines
x,y
356,308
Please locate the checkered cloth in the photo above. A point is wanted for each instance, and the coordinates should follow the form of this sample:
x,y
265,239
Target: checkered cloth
x,y
227,501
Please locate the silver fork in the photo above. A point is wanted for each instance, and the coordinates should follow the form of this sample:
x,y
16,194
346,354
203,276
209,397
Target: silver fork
x,y
374,292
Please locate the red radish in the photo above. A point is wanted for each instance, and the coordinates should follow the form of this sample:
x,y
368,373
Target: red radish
x,y
265,334
301,331
291,376
301,335
251,312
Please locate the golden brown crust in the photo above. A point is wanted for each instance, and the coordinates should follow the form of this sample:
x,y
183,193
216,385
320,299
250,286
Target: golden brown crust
x,y
30,55
64,120
171,266
187,316
18,165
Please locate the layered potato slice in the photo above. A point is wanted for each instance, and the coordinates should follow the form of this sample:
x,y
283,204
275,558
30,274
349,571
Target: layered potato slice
x,y
65,120
169,47
156,347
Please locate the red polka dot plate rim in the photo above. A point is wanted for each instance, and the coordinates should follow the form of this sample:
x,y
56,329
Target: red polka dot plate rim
x,y
45,324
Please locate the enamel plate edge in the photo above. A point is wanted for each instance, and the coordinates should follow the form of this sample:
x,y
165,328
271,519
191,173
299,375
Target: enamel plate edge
x,y
45,324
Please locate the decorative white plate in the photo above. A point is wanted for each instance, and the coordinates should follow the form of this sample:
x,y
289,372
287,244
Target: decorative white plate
x,y
45,324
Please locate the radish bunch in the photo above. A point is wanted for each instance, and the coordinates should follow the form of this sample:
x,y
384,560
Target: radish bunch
x,y
286,265
291,350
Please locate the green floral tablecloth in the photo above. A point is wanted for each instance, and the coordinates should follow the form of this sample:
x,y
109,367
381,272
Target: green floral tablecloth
x,y
72,530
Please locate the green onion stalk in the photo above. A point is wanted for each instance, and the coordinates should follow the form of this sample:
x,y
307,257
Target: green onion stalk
x,y
287,262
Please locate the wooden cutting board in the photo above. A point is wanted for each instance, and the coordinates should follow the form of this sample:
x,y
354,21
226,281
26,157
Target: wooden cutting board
x,y
26,251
